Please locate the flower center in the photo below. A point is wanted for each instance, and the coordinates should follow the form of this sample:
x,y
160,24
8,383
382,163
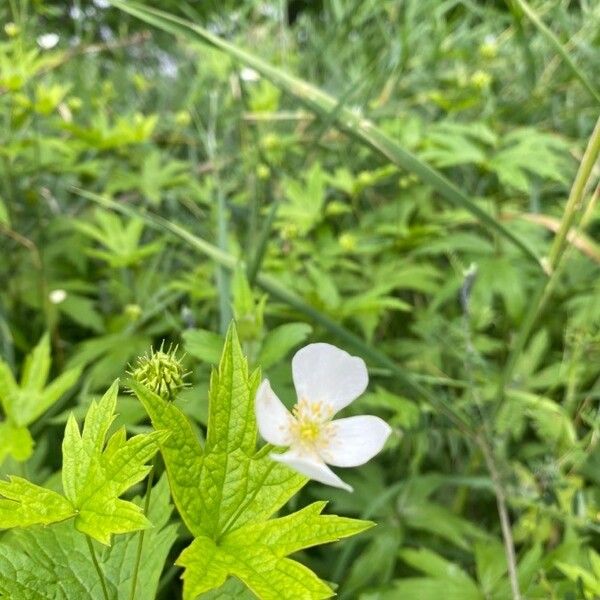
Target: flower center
x,y
311,424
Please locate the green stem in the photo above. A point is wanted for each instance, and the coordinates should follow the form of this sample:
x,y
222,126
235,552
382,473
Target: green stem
x,y
574,202
549,35
97,565
138,557
545,289
507,537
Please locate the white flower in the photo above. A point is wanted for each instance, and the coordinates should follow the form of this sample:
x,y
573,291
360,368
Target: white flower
x,y
48,40
248,74
57,296
326,380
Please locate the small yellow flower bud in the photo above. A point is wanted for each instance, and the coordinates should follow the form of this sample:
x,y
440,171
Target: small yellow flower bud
x,y
12,29
481,80
133,311
348,242
263,171
183,118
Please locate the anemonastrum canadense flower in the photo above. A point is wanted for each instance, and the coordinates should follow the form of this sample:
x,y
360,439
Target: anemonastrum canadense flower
x,y
326,379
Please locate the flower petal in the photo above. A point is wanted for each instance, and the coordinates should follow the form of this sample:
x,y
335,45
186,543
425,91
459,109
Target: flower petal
x,y
272,417
311,466
324,373
355,440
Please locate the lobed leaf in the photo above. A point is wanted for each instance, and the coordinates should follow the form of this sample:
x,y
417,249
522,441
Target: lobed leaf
x,y
55,563
23,504
15,441
94,476
37,366
256,554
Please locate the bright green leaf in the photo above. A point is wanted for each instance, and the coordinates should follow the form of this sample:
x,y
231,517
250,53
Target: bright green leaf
x,y
281,340
37,366
95,476
15,441
256,554
54,562
23,504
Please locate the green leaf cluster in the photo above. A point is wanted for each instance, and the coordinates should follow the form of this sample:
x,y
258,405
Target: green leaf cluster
x,y
227,491
25,401
54,562
96,472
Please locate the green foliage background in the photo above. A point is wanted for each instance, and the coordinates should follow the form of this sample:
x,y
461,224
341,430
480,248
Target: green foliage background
x,y
415,211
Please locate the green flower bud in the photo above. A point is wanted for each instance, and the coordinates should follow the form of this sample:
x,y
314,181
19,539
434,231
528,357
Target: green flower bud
x,y
160,371
12,29
183,118
348,242
481,80
263,171
133,311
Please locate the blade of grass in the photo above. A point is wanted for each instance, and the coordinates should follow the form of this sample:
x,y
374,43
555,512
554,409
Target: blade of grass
x,y
279,292
551,37
322,103
574,207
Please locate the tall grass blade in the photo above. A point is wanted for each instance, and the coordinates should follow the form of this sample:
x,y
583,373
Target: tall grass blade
x,y
556,258
551,37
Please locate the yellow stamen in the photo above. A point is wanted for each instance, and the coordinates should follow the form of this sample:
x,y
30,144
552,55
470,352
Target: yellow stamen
x,y
311,426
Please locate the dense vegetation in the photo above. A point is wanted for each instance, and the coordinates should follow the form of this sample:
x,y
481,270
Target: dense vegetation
x,y
414,181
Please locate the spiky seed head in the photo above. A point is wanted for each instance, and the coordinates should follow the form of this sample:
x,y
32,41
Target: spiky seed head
x,y
160,371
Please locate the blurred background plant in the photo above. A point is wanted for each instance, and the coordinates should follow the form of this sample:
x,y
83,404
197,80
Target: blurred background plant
x,y
152,187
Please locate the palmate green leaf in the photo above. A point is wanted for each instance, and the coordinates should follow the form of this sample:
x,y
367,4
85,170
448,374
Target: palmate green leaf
x,y
227,491
94,477
256,554
181,452
227,483
526,152
54,562
236,483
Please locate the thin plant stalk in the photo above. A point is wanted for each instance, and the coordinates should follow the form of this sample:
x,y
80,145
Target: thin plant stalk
x,y
138,556
545,289
507,537
98,568
223,283
551,37
574,203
